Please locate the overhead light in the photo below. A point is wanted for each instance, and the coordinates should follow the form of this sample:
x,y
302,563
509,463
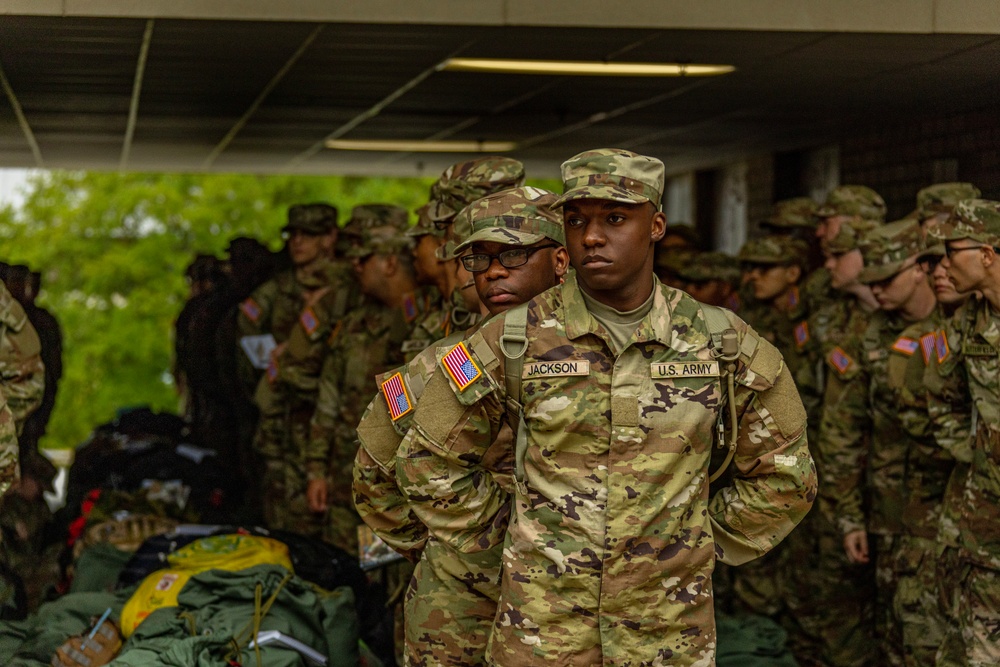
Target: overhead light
x,y
582,68
418,146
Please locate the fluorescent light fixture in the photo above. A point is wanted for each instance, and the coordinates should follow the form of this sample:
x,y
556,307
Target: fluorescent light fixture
x,y
418,146
582,68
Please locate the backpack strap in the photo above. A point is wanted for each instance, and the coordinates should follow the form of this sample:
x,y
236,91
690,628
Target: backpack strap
x,y
726,344
513,345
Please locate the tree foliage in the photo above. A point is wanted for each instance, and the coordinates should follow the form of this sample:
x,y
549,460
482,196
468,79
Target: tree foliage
x,y
112,249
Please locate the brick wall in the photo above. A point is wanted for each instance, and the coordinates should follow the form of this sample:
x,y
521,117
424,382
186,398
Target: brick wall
x,y
899,159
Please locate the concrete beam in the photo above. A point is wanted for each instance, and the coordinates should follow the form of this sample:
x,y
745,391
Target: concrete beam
x,y
884,16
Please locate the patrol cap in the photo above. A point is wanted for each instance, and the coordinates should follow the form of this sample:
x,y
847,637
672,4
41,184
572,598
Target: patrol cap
x,y
976,219
687,233
365,216
613,174
942,197
382,231
799,212
849,236
425,226
311,218
887,249
673,260
465,182
522,216
853,200
706,266
775,250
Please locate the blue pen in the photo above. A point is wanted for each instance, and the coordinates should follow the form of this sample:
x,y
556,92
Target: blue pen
x,y
100,622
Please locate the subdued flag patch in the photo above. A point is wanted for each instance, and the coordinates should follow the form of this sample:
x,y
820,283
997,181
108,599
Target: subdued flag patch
x,y
905,345
396,396
250,308
460,366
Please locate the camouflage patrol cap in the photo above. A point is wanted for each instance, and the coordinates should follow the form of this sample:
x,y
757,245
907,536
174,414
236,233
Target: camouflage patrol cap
x,y
465,182
887,250
369,216
425,226
614,174
311,218
853,200
673,260
521,217
942,197
776,250
976,219
849,236
382,238
799,212
705,266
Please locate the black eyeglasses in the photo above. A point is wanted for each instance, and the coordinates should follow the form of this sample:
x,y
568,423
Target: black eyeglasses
x,y
950,251
509,259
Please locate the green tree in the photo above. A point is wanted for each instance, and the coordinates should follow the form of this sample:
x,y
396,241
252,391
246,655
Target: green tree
x,y
112,249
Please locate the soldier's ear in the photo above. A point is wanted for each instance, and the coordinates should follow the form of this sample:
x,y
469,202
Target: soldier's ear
x,y
560,261
659,226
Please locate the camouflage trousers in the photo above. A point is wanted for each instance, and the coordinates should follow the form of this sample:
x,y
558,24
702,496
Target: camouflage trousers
x,y
974,640
888,628
450,606
285,503
917,606
807,586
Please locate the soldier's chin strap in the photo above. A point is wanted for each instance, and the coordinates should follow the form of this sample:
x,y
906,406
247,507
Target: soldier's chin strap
x,y
729,352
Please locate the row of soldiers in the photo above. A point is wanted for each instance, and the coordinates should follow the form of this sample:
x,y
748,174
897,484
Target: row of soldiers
x,y
892,346
379,307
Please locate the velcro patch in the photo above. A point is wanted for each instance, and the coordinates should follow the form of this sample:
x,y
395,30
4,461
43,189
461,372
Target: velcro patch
x,y
840,360
905,345
460,366
397,398
978,350
414,345
927,343
684,369
250,309
308,321
272,370
941,342
801,334
410,310
625,411
550,369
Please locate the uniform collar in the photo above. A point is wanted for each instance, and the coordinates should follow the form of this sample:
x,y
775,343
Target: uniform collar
x,y
654,327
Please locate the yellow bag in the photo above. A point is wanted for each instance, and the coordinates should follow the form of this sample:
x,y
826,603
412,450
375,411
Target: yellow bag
x,y
221,552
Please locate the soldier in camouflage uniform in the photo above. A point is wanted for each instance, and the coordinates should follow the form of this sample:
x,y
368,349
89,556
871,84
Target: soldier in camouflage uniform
x,y
936,202
612,537
451,601
280,307
459,185
969,356
712,278
23,380
906,470
796,217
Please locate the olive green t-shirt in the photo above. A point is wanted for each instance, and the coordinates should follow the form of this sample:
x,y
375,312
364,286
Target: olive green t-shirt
x,y
620,324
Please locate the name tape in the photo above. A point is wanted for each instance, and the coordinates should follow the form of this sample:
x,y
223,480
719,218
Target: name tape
x,y
684,369
548,369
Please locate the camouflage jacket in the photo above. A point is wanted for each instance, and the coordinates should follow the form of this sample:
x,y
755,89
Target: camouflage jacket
x,y
9,470
22,373
970,356
609,552
884,471
449,317
364,343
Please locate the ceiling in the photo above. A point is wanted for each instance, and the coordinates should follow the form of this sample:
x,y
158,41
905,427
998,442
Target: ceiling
x,y
262,96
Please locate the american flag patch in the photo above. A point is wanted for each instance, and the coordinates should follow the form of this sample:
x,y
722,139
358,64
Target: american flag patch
x,y
308,321
793,297
941,339
840,360
396,396
460,366
250,309
905,345
801,334
928,343
410,308
272,371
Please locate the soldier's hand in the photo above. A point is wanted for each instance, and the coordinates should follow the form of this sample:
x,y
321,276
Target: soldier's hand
x,y
316,495
856,546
